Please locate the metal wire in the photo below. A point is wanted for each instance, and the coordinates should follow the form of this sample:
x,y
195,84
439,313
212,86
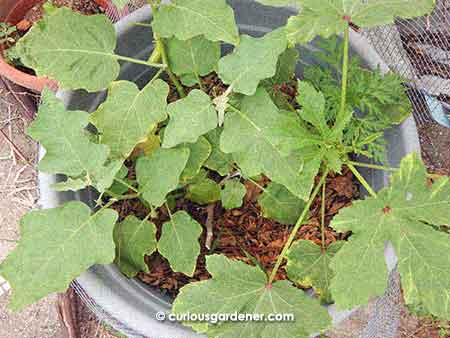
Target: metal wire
x,y
419,50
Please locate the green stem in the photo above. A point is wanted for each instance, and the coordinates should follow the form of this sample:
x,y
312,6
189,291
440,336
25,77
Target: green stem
x,y
373,166
140,62
344,72
122,197
297,226
362,180
162,50
199,80
143,24
322,212
129,186
257,184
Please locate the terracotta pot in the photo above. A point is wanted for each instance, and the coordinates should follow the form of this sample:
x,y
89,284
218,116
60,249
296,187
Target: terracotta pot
x,y
14,12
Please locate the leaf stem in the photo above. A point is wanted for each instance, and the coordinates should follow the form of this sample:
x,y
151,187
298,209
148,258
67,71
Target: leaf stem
x,y
344,71
122,197
297,226
141,62
162,50
129,186
372,166
362,180
322,212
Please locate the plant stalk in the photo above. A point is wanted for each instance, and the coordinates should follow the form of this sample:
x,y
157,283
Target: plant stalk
x,y
297,227
122,197
372,166
161,49
322,212
344,72
141,62
362,180
129,186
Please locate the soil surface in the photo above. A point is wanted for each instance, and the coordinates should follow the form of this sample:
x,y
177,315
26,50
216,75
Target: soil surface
x,y
435,144
241,232
87,7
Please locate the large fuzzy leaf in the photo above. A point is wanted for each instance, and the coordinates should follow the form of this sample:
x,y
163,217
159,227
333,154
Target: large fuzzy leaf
x,y
309,266
190,118
233,194
238,287
218,160
257,141
68,148
280,204
56,246
74,49
199,153
197,56
128,115
159,173
134,239
203,191
403,214
255,59
179,242
328,17
212,18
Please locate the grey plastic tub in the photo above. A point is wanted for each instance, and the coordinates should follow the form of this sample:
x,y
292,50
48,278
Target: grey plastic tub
x,y
129,305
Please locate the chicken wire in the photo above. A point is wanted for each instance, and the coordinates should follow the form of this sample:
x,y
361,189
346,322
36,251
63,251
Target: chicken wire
x,y
416,49
419,50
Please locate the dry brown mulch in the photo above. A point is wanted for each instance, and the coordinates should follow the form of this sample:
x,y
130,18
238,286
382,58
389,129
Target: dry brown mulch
x,y
435,145
87,7
243,233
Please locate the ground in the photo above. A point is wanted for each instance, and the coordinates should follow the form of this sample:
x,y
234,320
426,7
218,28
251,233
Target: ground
x,y
18,195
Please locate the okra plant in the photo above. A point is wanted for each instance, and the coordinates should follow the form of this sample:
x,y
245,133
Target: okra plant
x,y
248,129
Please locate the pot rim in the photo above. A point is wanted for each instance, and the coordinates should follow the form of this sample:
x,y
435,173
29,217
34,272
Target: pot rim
x,y
128,305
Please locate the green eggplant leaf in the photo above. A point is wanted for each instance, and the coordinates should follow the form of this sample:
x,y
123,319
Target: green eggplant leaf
x,y
179,242
128,115
218,160
190,118
233,194
74,49
69,150
159,173
56,246
197,56
134,240
255,59
199,153
203,191
212,18
280,204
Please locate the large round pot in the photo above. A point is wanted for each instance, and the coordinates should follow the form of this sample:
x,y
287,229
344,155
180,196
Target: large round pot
x,y
12,12
129,305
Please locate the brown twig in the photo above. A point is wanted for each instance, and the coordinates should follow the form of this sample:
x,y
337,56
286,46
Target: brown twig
x,y
209,225
15,149
28,106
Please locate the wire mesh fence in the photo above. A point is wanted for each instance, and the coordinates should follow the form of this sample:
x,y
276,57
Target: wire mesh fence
x,y
419,50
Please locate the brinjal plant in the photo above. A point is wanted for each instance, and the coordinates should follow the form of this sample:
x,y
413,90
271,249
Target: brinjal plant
x,y
204,145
